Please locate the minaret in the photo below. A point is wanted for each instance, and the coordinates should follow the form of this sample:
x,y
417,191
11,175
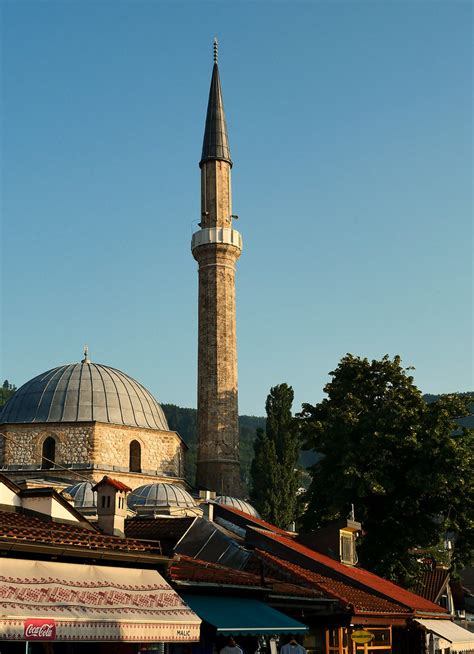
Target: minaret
x,y
216,247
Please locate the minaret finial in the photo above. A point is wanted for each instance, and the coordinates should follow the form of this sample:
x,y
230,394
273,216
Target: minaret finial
x,y
216,49
86,355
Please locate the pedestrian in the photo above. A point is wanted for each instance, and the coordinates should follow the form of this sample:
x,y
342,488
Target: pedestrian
x,y
231,647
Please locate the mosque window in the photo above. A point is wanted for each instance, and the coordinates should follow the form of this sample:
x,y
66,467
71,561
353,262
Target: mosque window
x,y
48,453
135,457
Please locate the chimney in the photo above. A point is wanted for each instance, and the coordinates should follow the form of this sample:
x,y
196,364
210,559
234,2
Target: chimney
x,y
111,506
207,505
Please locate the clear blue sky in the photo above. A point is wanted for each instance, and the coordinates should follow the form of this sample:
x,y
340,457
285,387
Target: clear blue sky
x,y
350,130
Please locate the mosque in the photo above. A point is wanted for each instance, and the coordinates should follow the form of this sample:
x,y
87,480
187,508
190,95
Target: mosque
x,y
76,423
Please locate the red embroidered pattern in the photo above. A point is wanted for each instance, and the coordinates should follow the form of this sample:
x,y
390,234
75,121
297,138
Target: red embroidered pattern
x,y
97,609
110,597
31,581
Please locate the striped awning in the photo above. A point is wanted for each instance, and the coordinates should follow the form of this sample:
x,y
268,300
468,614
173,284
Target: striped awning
x,y
42,600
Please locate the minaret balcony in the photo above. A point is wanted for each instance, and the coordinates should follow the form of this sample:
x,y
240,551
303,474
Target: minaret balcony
x,y
210,235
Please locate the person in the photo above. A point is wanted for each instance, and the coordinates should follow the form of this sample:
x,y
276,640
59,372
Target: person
x,y
231,648
293,647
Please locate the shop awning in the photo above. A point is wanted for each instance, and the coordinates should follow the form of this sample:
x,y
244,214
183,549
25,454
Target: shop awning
x,y
42,600
459,639
235,615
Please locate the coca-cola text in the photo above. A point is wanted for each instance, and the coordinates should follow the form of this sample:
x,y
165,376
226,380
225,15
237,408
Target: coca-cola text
x,y
40,629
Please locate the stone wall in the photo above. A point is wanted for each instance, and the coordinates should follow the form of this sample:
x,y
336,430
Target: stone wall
x,y
95,446
161,451
24,443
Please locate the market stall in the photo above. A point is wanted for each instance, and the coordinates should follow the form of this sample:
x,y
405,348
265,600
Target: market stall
x,y
64,602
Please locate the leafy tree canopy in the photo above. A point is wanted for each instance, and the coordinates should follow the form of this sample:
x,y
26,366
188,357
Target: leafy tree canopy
x,y
274,472
405,464
6,391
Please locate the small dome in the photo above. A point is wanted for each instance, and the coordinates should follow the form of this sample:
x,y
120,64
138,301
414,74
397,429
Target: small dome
x,y
235,503
84,392
159,496
83,495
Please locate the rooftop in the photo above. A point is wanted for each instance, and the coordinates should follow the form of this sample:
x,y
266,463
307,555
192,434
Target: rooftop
x,y
84,392
108,481
242,519
433,583
21,527
339,572
194,570
361,600
166,530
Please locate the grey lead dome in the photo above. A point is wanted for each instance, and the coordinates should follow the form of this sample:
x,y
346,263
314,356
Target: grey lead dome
x,y
83,495
162,495
84,392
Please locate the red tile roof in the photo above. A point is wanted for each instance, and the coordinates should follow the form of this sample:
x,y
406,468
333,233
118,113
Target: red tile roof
x,y
195,570
252,520
355,575
360,600
26,528
112,482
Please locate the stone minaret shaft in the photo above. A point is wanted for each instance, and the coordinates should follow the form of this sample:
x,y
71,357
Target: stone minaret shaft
x,y
216,247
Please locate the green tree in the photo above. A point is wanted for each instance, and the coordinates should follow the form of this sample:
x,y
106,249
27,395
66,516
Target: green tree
x,y
274,472
6,391
405,464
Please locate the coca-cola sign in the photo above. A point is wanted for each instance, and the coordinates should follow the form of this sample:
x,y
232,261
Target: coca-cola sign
x,y
39,629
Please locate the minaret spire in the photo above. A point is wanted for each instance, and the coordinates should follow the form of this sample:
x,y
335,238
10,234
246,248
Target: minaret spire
x,y
216,247
216,142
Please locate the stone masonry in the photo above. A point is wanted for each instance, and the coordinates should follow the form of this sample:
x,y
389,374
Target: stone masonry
x,y
218,453
216,247
93,449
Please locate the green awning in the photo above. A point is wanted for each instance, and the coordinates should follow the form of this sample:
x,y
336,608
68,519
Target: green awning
x,y
234,615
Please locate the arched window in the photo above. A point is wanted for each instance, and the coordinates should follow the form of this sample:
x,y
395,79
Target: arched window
x,y
48,453
135,457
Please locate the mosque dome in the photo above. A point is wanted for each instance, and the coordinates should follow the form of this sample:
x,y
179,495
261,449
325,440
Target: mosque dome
x,y
160,496
84,392
83,495
236,503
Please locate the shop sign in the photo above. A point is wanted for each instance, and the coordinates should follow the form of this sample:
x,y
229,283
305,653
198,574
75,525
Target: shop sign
x,y
39,629
361,636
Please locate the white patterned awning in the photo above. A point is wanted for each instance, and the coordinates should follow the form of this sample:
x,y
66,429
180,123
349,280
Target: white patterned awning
x,y
42,600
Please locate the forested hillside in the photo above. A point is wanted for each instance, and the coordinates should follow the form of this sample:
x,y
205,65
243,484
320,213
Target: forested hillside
x,y
184,422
